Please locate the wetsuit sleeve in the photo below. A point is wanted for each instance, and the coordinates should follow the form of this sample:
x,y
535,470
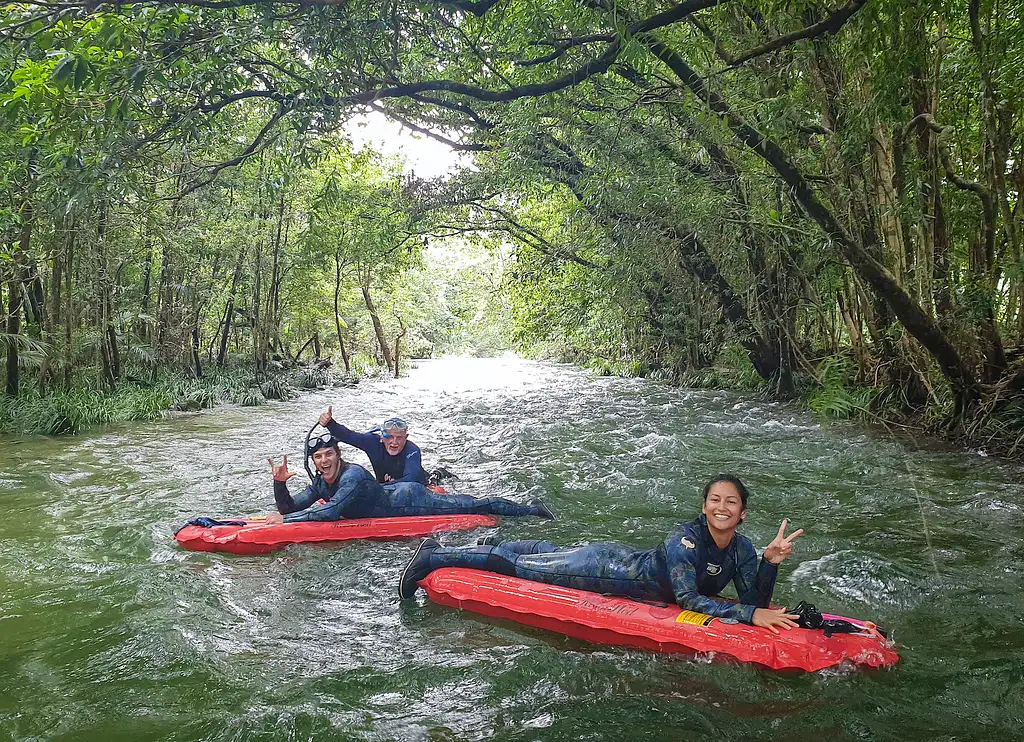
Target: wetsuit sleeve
x,y
350,488
363,441
682,563
413,465
288,504
754,583
330,510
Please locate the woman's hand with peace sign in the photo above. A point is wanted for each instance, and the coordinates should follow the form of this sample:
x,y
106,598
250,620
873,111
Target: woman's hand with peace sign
x,y
280,471
778,550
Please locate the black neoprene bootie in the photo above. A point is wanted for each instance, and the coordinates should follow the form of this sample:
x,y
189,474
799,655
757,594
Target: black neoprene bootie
x,y
542,510
417,568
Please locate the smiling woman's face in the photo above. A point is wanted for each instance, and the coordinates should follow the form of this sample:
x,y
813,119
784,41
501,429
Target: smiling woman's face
x,y
723,507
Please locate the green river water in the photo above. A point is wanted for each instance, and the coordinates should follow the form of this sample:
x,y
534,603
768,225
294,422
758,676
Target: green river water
x,y
109,632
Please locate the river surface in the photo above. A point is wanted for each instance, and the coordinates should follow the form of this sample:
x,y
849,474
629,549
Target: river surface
x,y
109,632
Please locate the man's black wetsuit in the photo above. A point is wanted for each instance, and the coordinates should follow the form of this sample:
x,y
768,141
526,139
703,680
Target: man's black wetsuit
x,y
406,466
687,568
356,494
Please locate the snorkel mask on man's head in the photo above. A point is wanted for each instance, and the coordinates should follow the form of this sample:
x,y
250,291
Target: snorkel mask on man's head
x,y
394,426
393,434
315,444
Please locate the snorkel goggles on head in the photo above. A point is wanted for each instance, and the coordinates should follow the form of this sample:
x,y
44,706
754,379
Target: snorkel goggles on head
x,y
315,444
394,425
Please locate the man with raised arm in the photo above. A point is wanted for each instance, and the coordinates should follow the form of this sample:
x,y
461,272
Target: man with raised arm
x,y
690,567
392,455
344,491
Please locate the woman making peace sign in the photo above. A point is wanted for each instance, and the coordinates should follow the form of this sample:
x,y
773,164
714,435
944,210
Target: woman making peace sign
x,y
690,567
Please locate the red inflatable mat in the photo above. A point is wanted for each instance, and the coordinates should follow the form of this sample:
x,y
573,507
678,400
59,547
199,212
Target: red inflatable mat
x,y
257,537
658,628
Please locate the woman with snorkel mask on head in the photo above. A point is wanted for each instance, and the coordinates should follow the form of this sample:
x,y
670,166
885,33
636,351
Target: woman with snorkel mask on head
x,y
342,490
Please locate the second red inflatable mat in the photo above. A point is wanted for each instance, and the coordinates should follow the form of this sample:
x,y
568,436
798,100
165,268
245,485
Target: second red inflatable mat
x,y
659,628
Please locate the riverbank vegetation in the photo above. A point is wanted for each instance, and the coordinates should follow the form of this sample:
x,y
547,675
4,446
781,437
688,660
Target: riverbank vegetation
x,y
829,191
70,411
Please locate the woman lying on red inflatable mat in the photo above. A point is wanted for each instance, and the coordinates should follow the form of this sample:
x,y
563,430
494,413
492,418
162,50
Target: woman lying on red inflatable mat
x,y
690,567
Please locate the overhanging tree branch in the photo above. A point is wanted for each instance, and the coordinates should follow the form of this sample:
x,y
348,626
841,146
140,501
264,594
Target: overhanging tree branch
x,y
248,152
537,242
479,120
829,25
720,50
561,47
461,147
596,66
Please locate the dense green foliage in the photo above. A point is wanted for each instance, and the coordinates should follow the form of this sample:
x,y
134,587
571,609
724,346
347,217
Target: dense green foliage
x,y
124,258
830,191
69,412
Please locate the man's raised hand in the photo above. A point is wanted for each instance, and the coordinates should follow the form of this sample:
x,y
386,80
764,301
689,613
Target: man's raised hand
x,y
778,550
280,471
326,417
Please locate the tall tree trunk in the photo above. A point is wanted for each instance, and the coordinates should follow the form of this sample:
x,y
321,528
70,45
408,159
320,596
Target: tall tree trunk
x,y
115,351
274,298
56,279
229,310
147,273
885,200
53,312
165,300
195,348
69,306
259,355
853,330
166,295
337,311
378,328
398,343
13,330
35,310
111,353
222,352
938,248
215,338
14,299
256,317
